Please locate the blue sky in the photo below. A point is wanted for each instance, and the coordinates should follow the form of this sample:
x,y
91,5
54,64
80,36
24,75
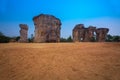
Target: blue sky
x,y
99,13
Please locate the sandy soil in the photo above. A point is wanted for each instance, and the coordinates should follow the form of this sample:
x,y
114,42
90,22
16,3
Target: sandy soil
x,y
60,61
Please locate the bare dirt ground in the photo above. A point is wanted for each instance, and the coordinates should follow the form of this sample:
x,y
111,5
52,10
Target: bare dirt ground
x,y
60,61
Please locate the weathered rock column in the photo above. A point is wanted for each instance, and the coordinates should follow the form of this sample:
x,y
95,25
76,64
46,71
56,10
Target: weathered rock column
x,y
82,34
47,28
101,34
78,33
23,33
89,33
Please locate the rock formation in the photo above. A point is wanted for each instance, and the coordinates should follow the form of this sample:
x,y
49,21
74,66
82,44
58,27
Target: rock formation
x,y
78,33
47,28
101,34
23,33
82,34
89,33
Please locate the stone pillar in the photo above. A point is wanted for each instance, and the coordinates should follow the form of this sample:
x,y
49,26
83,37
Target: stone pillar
x,y
75,35
89,33
47,28
23,33
78,33
101,34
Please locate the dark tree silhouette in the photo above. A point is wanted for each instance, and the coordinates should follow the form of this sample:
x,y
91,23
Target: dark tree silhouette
x,y
69,39
3,38
109,38
63,39
116,38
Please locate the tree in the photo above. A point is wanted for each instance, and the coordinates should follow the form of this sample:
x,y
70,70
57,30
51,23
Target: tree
x,y
3,38
1,34
116,39
109,38
69,39
17,38
31,38
63,39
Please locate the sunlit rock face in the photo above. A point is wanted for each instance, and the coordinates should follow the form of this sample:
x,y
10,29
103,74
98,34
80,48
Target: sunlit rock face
x,y
82,34
89,33
78,33
23,33
101,34
47,28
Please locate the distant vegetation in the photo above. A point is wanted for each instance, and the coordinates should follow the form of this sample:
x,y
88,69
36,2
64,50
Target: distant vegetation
x,y
3,38
31,38
111,38
69,39
6,39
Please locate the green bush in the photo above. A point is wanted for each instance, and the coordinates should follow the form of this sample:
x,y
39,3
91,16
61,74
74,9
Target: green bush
x,y
3,38
69,39
111,38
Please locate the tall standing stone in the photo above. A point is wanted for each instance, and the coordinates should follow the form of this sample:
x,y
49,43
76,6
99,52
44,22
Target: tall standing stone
x,y
89,33
78,33
101,34
47,28
23,33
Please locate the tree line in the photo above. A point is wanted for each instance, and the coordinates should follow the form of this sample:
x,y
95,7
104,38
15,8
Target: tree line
x,y
7,39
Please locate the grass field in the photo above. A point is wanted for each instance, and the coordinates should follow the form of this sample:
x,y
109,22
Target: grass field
x,y
60,61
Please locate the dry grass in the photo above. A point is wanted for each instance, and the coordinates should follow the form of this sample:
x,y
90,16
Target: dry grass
x,y
60,61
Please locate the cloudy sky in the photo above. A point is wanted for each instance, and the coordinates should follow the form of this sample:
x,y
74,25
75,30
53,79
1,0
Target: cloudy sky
x,y
99,13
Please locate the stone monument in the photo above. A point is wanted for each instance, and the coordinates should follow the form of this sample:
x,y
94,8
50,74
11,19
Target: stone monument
x,y
78,33
23,33
101,34
89,33
82,34
47,28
